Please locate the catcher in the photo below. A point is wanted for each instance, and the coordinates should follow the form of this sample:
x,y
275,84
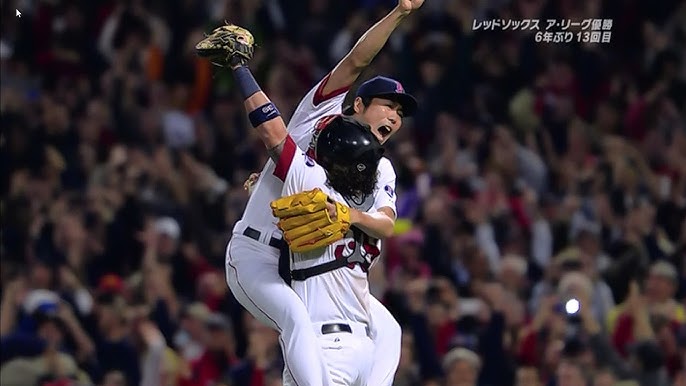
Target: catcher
x,y
256,242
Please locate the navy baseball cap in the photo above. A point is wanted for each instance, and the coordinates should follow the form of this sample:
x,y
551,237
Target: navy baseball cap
x,y
387,88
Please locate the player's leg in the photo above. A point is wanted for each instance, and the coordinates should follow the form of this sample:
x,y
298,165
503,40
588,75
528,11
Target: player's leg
x,y
387,336
349,358
287,379
255,282
367,355
243,290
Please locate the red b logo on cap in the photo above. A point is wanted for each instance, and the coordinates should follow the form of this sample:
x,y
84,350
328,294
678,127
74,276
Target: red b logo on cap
x,y
399,88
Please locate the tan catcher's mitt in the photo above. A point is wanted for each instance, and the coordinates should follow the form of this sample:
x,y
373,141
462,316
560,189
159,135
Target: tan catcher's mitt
x,y
305,221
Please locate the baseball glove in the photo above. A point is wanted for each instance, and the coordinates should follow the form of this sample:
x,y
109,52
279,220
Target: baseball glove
x,y
227,46
305,221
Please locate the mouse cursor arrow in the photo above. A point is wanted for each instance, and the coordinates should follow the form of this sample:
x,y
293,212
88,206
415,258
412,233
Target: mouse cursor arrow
x,y
18,14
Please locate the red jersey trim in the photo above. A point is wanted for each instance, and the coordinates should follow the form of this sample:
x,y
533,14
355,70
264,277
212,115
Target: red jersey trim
x,y
285,159
319,97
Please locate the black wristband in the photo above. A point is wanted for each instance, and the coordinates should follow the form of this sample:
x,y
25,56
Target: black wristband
x,y
262,114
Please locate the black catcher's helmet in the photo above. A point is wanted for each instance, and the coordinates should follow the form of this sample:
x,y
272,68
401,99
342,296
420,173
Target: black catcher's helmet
x,y
343,142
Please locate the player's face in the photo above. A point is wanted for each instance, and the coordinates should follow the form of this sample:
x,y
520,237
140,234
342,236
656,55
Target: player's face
x,y
383,115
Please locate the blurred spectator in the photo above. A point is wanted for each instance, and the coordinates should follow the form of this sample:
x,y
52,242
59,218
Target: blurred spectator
x,y
50,364
190,337
534,174
219,355
461,367
528,376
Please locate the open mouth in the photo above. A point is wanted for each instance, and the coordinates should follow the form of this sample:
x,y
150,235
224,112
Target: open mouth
x,y
384,131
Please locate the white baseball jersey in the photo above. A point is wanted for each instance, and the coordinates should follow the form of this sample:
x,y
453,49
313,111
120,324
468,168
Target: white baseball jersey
x,y
322,294
252,273
268,187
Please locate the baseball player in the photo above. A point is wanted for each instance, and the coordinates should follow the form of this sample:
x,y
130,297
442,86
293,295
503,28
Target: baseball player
x,y
256,242
347,155
328,253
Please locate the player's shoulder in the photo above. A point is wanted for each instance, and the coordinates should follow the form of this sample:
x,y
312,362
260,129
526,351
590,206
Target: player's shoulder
x,y
386,168
385,163
316,101
309,111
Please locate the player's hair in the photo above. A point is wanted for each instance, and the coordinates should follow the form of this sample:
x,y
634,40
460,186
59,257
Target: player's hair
x,y
366,101
350,110
350,182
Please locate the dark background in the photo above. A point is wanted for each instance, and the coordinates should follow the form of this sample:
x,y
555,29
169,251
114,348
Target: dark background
x,y
124,156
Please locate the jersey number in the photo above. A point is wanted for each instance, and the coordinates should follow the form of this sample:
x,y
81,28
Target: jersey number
x,y
360,250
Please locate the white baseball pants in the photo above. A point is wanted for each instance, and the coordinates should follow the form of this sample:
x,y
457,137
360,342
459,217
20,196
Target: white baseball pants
x,y
349,356
252,275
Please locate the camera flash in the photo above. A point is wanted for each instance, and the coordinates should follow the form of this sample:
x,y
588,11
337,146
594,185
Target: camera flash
x,y
572,306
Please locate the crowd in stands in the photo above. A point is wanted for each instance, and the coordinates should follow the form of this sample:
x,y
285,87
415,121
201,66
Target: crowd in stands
x,y
541,232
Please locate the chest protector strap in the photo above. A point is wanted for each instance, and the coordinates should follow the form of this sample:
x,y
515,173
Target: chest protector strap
x,y
361,256
306,273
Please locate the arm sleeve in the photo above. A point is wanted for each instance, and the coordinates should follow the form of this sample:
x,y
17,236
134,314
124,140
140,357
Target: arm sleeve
x,y
386,196
292,167
434,252
429,363
495,370
318,97
152,365
313,106
163,319
485,239
282,170
541,242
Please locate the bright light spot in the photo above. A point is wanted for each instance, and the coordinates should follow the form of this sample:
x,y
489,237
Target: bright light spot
x,y
572,306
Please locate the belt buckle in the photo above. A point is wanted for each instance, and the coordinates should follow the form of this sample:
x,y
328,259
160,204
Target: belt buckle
x,y
332,328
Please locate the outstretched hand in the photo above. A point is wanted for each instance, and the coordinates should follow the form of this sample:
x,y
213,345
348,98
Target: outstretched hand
x,y
409,6
249,184
150,333
634,301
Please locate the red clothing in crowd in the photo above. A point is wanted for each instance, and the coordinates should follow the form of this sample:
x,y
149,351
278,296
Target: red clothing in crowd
x,y
208,369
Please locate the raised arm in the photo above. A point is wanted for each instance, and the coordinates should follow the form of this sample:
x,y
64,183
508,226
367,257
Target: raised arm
x,y
263,114
232,46
361,55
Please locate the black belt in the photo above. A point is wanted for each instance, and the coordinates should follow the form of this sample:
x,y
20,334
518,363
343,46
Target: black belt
x,y
273,242
333,328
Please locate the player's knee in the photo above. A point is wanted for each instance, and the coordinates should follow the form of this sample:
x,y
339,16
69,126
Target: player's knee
x,y
394,330
395,327
387,330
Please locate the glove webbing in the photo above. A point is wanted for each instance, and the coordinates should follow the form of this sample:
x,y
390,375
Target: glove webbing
x,y
241,51
235,58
